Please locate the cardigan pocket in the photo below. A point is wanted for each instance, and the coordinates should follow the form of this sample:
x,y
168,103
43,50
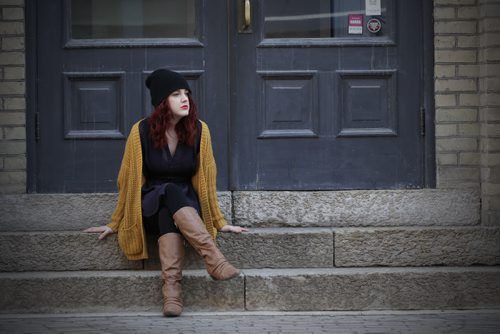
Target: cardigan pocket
x,y
129,239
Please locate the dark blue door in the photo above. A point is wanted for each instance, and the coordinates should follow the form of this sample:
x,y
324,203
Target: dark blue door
x,y
92,58
326,95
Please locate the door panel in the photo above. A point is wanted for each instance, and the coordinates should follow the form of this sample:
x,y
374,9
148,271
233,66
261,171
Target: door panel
x,y
93,58
320,108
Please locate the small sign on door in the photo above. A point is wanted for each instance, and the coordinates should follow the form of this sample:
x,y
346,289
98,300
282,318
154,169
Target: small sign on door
x,y
355,24
373,7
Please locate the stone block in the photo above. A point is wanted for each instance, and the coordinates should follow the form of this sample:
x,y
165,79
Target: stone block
x,y
468,130
12,88
468,100
11,28
468,12
66,212
456,115
372,289
12,43
489,24
489,54
56,251
468,71
455,27
444,42
12,118
11,58
444,13
12,13
469,159
12,147
444,71
461,174
266,248
454,2
490,10
356,208
12,178
467,42
489,39
456,246
447,158
456,144
12,2
455,56
490,144
112,291
455,85
13,163
15,133
489,84
490,114
446,130
445,100
14,73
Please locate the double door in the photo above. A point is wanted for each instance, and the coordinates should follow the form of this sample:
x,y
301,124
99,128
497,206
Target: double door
x,y
299,95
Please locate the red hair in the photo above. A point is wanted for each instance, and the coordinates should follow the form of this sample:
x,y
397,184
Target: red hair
x,y
185,128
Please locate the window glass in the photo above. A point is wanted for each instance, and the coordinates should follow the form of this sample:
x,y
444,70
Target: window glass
x,y
102,19
321,19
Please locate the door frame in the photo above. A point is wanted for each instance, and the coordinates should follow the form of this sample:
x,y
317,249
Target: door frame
x,y
427,73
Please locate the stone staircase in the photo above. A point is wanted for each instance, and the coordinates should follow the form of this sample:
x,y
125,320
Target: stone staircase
x,y
306,251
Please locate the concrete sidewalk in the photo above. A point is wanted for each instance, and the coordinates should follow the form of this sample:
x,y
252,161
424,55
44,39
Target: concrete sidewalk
x,y
370,322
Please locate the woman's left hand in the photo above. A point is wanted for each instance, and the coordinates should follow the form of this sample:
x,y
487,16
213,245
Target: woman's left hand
x,y
233,229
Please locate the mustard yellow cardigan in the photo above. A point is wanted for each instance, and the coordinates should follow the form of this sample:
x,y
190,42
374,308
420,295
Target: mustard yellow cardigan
x,y
127,217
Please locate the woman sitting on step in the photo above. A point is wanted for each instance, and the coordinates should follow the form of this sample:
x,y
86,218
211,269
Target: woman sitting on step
x,y
166,184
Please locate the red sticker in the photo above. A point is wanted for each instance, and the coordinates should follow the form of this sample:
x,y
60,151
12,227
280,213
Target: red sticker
x,y
355,24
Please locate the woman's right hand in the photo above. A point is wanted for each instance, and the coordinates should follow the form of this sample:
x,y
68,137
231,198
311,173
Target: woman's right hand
x,y
104,230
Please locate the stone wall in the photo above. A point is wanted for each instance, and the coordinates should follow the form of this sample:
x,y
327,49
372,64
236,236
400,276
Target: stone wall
x,y
12,98
467,85
489,109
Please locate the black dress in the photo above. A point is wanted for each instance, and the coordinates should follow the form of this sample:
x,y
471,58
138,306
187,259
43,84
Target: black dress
x,y
161,168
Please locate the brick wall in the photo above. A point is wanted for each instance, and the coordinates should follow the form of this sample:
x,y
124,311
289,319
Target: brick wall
x,y
457,99
12,98
489,110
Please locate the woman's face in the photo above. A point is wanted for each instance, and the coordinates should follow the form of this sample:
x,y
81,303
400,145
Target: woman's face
x,y
179,104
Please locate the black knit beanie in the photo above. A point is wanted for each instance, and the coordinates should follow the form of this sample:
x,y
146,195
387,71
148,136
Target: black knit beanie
x,y
162,83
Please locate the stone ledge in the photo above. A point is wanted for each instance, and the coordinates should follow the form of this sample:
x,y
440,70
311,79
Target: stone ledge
x,y
117,291
425,207
305,289
266,248
66,212
271,248
453,246
372,289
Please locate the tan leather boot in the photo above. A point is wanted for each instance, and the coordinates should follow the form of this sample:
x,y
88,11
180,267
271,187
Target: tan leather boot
x,y
193,229
171,249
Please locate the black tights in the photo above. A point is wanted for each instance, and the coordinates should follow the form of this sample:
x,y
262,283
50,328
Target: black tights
x,y
163,221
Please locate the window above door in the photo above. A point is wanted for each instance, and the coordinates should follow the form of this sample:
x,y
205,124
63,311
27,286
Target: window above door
x,y
328,22
131,22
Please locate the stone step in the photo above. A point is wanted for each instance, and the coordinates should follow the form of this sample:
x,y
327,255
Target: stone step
x,y
307,289
260,248
266,248
419,207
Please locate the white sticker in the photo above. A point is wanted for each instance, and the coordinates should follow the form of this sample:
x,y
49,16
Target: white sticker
x,y
373,7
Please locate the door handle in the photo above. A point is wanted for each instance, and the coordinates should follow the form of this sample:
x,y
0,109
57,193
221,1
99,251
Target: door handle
x,y
247,16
